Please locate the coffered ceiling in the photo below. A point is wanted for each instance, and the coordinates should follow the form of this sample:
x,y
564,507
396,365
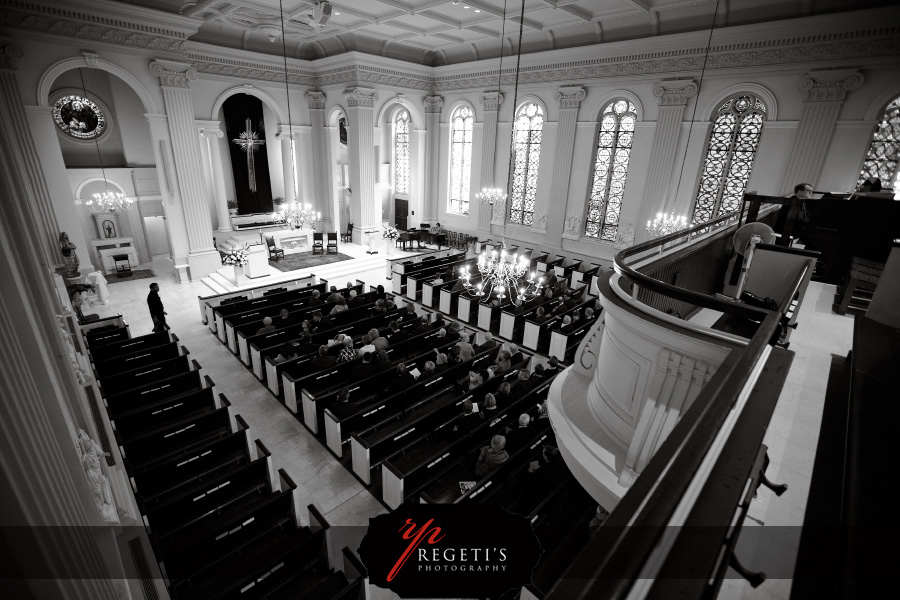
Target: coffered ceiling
x,y
438,32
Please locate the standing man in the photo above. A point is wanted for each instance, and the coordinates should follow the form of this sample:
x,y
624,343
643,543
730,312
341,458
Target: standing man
x,y
157,313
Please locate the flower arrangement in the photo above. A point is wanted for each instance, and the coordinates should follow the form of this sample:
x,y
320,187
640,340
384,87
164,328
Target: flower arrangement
x,y
232,204
237,257
390,233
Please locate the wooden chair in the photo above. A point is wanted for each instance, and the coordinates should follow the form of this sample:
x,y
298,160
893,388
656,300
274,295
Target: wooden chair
x,y
346,237
274,252
332,242
318,246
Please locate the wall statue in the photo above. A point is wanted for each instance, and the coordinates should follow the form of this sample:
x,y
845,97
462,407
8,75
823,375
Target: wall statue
x,y
91,454
625,236
573,223
539,220
70,258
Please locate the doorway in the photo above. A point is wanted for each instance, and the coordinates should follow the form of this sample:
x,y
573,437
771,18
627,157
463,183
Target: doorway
x,y
401,211
157,235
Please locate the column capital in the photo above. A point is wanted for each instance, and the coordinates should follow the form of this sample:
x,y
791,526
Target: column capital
x,y
569,96
364,97
90,59
210,128
172,73
830,86
316,100
433,104
491,100
674,92
9,54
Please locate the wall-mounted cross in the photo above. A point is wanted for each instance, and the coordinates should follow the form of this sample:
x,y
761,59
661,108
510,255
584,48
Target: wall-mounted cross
x,y
249,143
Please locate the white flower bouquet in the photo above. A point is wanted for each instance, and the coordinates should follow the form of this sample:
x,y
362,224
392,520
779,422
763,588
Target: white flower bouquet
x,y
390,233
237,257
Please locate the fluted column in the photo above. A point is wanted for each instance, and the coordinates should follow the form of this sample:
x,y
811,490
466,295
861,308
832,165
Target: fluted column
x,y
433,106
365,208
287,164
825,93
320,158
491,102
16,135
569,99
175,78
673,98
211,132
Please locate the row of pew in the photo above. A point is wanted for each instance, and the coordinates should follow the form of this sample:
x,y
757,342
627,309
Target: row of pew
x,y
223,523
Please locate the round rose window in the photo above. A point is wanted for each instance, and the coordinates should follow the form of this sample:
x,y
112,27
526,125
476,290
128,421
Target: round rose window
x,y
79,117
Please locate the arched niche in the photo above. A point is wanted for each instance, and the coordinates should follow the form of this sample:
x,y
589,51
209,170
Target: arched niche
x,y
250,90
393,104
45,84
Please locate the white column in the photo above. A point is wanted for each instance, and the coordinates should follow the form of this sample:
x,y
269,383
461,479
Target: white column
x,y
168,186
673,98
418,200
569,99
365,209
825,93
175,80
212,132
287,164
433,106
491,102
39,197
321,156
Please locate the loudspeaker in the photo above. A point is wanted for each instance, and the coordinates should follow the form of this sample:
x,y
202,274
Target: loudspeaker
x,y
322,12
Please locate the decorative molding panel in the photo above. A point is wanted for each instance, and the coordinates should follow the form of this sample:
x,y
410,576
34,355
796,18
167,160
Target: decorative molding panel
x,y
9,55
172,73
316,100
491,100
361,97
569,97
830,86
433,104
675,92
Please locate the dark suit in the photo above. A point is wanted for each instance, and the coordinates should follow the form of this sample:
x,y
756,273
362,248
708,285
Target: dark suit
x,y
315,302
398,337
410,316
401,383
323,324
323,362
157,312
466,423
520,388
282,323
356,301
364,371
486,346
518,438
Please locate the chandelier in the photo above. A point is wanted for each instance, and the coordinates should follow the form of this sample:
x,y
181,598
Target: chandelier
x,y
502,274
297,216
491,196
109,201
664,225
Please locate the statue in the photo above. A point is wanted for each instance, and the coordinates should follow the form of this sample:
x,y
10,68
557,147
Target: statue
x,y
91,453
625,237
70,258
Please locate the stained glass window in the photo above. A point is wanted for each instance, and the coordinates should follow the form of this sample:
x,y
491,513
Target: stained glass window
x,y
79,117
461,123
729,159
401,152
610,170
529,125
884,151
342,131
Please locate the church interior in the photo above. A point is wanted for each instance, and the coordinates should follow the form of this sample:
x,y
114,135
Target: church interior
x,y
273,268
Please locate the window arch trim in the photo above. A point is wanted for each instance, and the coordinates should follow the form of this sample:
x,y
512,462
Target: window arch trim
x,y
465,188
754,89
523,215
607,98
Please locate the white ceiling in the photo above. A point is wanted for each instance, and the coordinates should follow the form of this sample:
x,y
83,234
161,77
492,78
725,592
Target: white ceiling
x,y
438,32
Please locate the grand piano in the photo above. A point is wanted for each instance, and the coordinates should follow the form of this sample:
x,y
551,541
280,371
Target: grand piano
x,y
420,236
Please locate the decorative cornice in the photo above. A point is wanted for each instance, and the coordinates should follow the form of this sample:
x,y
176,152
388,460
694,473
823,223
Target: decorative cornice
x,y
569,97
316,100
360,74
830,86
491,100
363,97
244,72
132,34
172,73
8,56
675,92
433,104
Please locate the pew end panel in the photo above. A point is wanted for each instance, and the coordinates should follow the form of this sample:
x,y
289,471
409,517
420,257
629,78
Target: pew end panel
x,y
290,392
354,569
318,522
262,453
287,484
333,434
391,485
272,376
361,459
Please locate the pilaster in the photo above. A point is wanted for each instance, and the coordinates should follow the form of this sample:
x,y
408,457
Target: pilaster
x,y
365,209
673,98
211,132
825,93
286,137
569,99
433,105
320,157
491,102
175,78
19,143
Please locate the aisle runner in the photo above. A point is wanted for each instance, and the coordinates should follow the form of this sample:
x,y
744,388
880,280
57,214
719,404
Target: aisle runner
x,y
304,260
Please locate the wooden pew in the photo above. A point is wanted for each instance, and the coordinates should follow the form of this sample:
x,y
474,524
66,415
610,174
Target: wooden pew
x,y
116,384
230,311
209,302
563,344
156,391
138,359
129,346
431,291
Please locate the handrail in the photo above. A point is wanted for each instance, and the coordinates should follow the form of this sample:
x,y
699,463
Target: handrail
x,y
672,291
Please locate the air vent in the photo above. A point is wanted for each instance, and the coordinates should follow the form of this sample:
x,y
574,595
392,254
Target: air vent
x,y
143,569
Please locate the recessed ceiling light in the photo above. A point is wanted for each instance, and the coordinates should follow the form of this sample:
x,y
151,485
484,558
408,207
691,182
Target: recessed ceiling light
x,y
477,10
464,6
337,13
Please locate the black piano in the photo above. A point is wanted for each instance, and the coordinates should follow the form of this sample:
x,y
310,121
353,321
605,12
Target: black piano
x,y
422,236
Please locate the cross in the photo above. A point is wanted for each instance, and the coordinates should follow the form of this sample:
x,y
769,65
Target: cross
x,y
248,143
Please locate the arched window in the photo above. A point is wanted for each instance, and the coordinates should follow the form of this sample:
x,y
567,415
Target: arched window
x,y
401,152
884,150
461,123
729,157
529,125
610,169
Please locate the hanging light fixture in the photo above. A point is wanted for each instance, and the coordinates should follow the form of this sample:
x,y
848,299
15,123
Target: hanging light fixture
x,y
503,275
491,195
295,215
300,216
107,201
666,224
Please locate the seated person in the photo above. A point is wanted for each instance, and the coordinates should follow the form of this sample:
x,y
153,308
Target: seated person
x,y
367,345
323,361
541,315
588,313
474,381
285,353
491,457
404,380
548,472
348,352
379,306
320,322
466,351
389,305
487,344
423,327
333,294
553,368
379,341
454,358
521,306
440,362
523,384
428,370
436,230
340,305
267,326
315,300
382,359
458,286
337,340
355,299
397,335
517,438
286,320
566,325
502,362
366,369
504,395
379,293
306,344
537,376
489,407
468,421
410,314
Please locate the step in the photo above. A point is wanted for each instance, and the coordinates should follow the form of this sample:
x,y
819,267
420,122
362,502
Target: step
x,y
213,286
